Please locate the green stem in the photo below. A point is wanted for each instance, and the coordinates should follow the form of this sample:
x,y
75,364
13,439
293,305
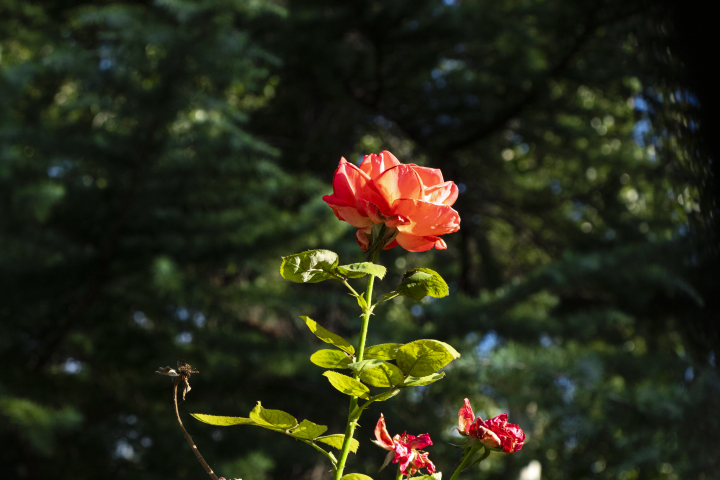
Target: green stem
x,y
352,422
348,286
468,459
399,474
329,455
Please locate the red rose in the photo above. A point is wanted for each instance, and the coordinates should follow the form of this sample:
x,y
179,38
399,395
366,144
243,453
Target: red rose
x,y
495,433
414,200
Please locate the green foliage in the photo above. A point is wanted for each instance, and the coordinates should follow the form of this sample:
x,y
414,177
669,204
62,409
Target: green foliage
x,y
331,359
411,381
328,337
37,424
434,476
384,375
275,419
364,365
223,421
308,430
419,283
424,357
355,476
347,385
385,351
309,267
358,270
336,441
381,397
254,465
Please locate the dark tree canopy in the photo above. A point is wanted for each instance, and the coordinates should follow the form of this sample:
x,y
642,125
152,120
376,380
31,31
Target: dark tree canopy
x,y
157,159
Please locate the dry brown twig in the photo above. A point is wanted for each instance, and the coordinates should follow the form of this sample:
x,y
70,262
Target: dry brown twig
x,y
182,376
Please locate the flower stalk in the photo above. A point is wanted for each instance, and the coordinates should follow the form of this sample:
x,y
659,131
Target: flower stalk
x,y
352,421
469,458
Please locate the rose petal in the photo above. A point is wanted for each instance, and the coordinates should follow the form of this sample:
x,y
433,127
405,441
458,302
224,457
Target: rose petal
x,y
416,243
400,181
445,193
426,218
372,211
405,460
383,437
373,165
419,442
429,176
350,215
497,423
516,432
362,239
348,182
465,417
429,465
422,461
401,452
486,436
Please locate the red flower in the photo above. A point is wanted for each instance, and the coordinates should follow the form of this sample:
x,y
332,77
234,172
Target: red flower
x,y
495,432
404,449
414,200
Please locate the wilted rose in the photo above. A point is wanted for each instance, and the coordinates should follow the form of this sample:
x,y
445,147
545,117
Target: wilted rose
x,y
415,202
495,432
404,449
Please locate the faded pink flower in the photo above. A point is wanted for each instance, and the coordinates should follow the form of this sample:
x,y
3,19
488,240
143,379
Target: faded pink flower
x,y
404,449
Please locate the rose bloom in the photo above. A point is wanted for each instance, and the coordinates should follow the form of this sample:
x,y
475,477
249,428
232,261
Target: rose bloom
x,y
404,449
495,433
414,200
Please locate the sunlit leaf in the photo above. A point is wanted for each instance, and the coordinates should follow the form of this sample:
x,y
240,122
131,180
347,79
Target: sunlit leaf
x,y
434,476
385,395
331,359
309,267
411,381
274,419
327,336
384,351
359,367
384,375
336,441
308,430
421,282
357,270
222,421
347,385
424,357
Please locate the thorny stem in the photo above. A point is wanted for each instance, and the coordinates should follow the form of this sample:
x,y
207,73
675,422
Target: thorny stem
x,y
187,435
468,459
352,422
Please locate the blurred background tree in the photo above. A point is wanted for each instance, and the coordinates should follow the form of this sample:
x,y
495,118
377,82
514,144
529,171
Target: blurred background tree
x,y
156,160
